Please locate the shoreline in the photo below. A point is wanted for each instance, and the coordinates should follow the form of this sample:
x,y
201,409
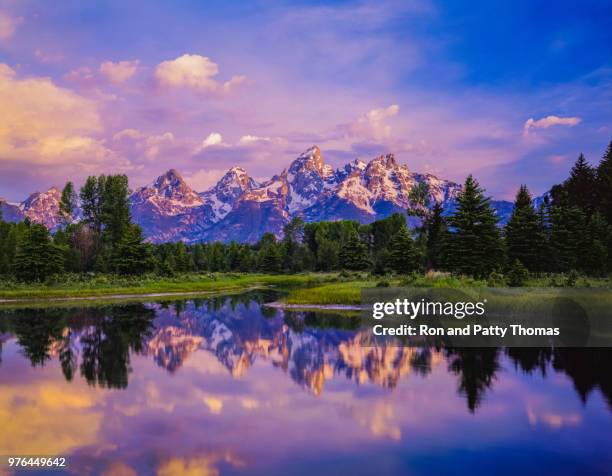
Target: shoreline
x,y
322,307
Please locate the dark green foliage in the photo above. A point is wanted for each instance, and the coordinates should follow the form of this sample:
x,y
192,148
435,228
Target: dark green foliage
x,y
403,257
114,207
598,244
475,245
604,185
517,274
437,238
570,231
525,233
132,255
567,237
581,186
37,257
270,258
354,254
68,203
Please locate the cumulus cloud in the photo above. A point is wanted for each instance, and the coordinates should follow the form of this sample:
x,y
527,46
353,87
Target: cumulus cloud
x,y
549,121
195,72
43,123
119,72
136,144
8,25
248,140
372,125
214,138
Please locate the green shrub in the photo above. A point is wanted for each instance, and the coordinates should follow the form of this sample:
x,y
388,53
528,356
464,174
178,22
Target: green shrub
x,y
517,274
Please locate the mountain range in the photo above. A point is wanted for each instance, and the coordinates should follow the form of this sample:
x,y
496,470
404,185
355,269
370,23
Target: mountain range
x,y
240,208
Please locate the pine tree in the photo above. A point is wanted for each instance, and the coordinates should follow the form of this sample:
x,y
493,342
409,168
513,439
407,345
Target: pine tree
x,y
270,258
354,253
567,237
436,233
131,255
596,259
525,233
403,257
37,256
581,186
604,185
475,244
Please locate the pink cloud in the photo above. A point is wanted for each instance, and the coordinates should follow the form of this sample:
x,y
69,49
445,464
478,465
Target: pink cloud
x,y
549,121
195,72
119,72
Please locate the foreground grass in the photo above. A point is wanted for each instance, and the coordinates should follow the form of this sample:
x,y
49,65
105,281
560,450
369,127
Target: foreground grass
x,y
348,289
303,288
187,283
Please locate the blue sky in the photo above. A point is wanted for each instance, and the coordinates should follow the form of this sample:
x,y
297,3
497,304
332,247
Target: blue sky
x,y
509,91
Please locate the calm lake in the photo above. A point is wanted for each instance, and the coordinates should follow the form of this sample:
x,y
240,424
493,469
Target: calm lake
x,y
228,386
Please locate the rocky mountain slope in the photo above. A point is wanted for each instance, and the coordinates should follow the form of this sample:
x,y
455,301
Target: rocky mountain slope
x,y
239,208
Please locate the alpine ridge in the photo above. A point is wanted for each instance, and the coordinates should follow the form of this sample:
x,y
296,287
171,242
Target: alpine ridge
x,y
238,208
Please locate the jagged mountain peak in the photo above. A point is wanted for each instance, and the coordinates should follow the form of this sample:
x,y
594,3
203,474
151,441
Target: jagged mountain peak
x,y
355,166
236,179
386,161
239,208
310,160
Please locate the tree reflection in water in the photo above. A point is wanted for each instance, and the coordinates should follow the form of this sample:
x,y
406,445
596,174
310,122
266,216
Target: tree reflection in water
x,y
310,347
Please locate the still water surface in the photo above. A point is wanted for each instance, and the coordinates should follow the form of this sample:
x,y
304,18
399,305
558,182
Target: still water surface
x,y
228,386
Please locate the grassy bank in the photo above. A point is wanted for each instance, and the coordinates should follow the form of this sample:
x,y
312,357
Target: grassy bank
x,y
303,288
105,285
348,290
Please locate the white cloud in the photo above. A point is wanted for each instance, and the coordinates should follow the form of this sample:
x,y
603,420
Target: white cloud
x,y
248,140
119,72
194,72
372,125
214,138
8,25
549,121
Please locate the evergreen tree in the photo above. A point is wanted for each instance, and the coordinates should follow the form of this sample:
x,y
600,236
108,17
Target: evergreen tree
x,y
567,237
354,253
475,244
604,185
270,260
436,233
37,256
598,241
68,203
403,257
327,255
131,255
581,186
525,233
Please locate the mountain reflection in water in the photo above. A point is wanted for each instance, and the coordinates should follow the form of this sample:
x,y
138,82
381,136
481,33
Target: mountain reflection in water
x,y
83,382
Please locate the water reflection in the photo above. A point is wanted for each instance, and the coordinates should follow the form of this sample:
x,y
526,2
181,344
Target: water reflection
x,y
309,347
135,374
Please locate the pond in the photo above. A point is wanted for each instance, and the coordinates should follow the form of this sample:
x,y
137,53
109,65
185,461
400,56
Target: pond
x,y
229,386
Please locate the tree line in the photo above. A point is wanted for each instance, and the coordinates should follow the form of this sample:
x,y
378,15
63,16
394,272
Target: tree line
x,y
570,230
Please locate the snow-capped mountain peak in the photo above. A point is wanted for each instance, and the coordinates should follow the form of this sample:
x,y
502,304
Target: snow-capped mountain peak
x,y
241,209
231,187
